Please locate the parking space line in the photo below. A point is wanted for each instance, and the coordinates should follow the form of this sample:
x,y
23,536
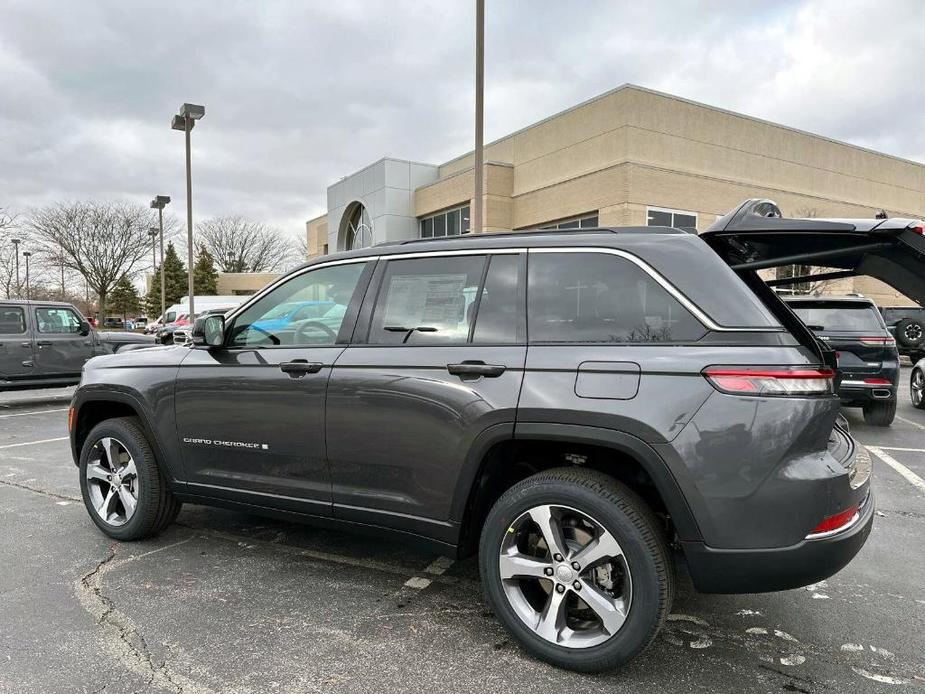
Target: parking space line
x,y
909,421
898,448
26,414
32,443
910,476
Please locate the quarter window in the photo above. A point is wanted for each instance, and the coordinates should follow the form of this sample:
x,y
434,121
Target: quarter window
x,y
427,300
307,310
57,321
597,297
661,217
12,321
450,223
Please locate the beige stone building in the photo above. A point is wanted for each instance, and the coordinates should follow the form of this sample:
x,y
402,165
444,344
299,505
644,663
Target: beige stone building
x,y
631,156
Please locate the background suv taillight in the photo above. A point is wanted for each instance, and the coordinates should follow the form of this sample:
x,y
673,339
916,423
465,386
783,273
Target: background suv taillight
x,y
774,381
877,340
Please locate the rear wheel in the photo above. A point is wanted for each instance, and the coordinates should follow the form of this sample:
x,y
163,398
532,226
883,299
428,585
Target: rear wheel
x,y
880,413
576,568
917,388
121,484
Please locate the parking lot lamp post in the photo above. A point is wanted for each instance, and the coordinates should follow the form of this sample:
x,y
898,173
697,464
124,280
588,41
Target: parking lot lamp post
x,y
16,243
152,232
185,120
27,255
159,203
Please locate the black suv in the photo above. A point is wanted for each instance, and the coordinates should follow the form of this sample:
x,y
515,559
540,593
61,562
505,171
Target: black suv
x,y
868,363
907,325
571,405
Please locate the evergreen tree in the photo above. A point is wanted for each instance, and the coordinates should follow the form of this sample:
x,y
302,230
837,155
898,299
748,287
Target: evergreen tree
x,y
175,279
205,276
124,297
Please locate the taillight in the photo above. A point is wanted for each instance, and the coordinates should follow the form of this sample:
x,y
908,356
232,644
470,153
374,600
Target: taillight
x,y
877,340
754,380
878,381
918,228
835,522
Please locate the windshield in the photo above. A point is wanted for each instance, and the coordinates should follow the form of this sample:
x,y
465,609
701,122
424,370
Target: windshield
x,y
839,316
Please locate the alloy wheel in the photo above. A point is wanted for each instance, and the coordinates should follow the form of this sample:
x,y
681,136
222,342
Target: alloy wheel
x,y
112,481
913,332
917,387
565,576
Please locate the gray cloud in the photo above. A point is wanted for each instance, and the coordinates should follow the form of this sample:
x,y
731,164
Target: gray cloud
x,y
301,93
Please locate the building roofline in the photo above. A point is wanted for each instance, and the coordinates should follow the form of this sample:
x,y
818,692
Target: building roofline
x,y
674,97
379,161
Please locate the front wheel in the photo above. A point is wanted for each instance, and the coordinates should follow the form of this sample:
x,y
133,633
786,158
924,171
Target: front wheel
x,y
576,568
122,487
917,389
880,413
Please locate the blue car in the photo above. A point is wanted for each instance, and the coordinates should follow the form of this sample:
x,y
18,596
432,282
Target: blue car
x,y
292,312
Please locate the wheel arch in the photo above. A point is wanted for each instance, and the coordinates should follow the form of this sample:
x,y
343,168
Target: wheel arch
x,y
92,408
493,465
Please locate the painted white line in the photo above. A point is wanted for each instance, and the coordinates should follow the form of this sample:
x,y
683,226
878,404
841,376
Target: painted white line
x,y
439,565
898,448
417,582
26,414
913,479
909,421
32,443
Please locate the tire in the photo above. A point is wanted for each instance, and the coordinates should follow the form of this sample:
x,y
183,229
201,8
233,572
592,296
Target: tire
x,y
910,333
640,578
155,506
915,357
917,389
880,413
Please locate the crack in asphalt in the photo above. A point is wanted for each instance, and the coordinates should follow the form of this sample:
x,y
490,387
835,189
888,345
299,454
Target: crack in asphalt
x,y
43,492
122,638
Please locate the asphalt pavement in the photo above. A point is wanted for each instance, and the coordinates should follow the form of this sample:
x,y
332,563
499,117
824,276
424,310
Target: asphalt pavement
x,y
228,602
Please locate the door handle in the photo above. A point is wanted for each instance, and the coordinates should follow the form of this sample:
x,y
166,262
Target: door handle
x,y
27,345
44,343
475,369
299,367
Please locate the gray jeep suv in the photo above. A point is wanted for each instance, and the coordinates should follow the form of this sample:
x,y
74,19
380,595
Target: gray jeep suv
x,y
577,407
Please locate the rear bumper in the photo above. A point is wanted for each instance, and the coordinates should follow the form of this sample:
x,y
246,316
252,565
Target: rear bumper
x,y
856,390
782,568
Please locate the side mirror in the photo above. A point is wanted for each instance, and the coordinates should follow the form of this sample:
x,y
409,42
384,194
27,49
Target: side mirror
x,y
209,331
84,328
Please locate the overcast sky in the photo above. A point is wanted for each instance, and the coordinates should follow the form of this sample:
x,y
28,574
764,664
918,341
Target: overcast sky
x,y
299,94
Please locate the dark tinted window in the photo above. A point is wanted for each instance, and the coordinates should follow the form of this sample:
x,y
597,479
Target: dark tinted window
x,y
838,315
658,218
12,320
596,297
427,300
500,318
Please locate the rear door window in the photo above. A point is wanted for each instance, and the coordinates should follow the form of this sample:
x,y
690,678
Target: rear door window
x,y
12,320
835,316
601,298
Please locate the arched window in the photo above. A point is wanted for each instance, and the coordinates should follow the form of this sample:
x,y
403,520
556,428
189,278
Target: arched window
x,y
359,231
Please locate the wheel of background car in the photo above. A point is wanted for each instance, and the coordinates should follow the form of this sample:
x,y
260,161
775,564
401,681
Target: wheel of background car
x,y
910,333
577,569
880,413
917,388
123,489
304,328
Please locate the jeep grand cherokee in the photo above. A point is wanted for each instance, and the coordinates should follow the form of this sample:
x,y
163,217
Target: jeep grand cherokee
x,y
570,405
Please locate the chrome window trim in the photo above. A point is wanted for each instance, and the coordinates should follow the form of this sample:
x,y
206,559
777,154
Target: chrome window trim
x,y
676,293
697,312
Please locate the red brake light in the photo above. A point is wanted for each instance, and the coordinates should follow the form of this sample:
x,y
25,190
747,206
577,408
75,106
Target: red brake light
x,y
754,380
878,381
834,522
918,228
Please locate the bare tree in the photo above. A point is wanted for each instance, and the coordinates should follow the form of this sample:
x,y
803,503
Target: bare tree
x,y
240,245
8,232
100,241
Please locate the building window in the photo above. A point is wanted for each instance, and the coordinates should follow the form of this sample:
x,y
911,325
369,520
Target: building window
x,y
359,229
588,221
450,223
679,219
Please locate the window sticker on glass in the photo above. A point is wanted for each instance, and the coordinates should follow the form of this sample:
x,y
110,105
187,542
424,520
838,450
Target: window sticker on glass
x,y
426,300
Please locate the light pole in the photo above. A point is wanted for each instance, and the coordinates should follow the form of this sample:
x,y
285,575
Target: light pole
x,y
159,203
185,120
16,243
152,232
27,255
479,108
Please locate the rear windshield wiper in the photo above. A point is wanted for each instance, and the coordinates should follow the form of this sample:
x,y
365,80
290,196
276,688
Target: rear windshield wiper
x,y
408,331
